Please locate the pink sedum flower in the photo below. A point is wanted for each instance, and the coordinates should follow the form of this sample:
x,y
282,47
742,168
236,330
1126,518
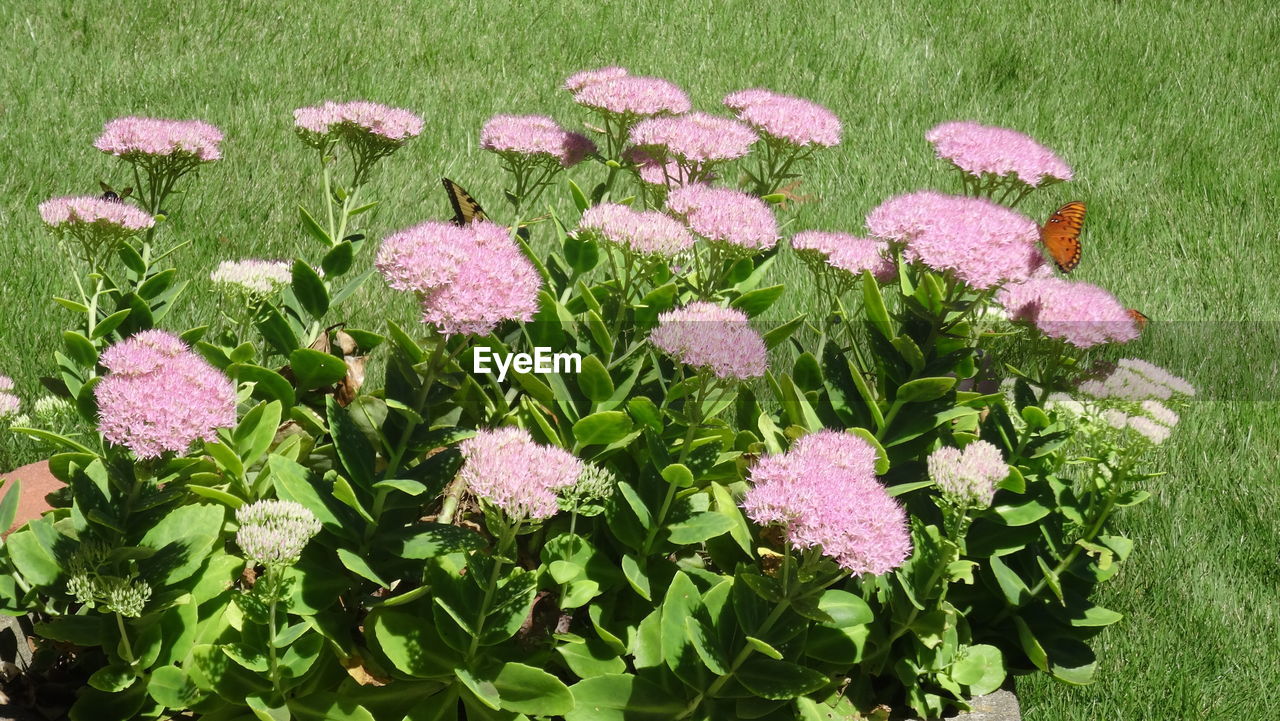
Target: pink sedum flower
x,y
968,476
130,137
1079,313
980,242
656,170
725,215
985,149
705,335
1149,429
633,95
535,135
582,79
507,468
793,120
469,278
647,232
159,396
825,494
847,253
1137,380
108,215
360,118
694,139
10,404
1158,375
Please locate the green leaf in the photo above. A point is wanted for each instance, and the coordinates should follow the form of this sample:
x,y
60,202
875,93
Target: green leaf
x,y
293,483
623,697
594,380
353,447
309,289
646,413
359,566
9,506
980,667
339,259
579,198
94,705
1030,646
519,688
778,680
678,475
592,658
313,228
678,652
409,640
764,648
910,352
315,369
758,301
253,435
882,456
80,349
705,645
172,688
1021,514
699,527
113,678
636,576
874,307
110,323
182,540
1011,585
268,385
922,390
602,428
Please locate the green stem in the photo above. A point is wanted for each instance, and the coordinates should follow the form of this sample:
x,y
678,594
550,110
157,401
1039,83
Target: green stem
x,y
695,420
125,646
273,590
508,535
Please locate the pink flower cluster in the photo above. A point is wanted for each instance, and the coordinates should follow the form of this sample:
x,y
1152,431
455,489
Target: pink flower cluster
x,y
507,468
1079,313
133,136
614,90
259,277
792,120
10,404
647,232
825,493
968,476
705,335
694,139
980,242
470,278
725,215
982,149
160,396
90,210
387,123
535,135
1137,380
655,169
848,253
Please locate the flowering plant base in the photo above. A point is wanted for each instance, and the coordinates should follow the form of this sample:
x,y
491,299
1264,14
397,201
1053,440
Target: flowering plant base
x,y
724,512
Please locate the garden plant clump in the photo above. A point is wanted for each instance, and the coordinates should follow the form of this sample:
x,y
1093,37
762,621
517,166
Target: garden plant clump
x,y
890,502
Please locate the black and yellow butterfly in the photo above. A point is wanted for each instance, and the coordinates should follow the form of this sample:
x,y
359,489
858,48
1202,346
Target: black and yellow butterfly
x,y
465,208
109,193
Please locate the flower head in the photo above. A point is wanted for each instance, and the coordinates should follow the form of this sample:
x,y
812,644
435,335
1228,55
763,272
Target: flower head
x,y
469,278
133,137
96,214
657,169
968,476
1137,381
792,120
10,404
631,95
534,135
981,242
508,469
725,215
1079,313
273,533
258,277
647,232
694,139
160,396
582,79
705,335
847,253
825,494
359,121
984,149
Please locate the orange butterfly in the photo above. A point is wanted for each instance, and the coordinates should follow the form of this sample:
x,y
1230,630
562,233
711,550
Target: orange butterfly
x,y
1061,235
1139,318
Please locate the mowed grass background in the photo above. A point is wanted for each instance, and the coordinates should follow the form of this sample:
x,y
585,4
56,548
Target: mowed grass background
x,y
1167,113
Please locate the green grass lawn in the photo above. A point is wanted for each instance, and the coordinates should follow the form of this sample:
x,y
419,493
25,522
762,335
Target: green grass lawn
x,y
1167,114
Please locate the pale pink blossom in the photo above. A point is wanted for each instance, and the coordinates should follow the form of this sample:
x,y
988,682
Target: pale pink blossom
x,y
705,335
534,135
982,243
968,476
847,253
507,468
259,277
725,215
160,396
825,494
133,136
647,232
695,139
358,118
984,149
1079,313
582,79
793,120
107,215
634,96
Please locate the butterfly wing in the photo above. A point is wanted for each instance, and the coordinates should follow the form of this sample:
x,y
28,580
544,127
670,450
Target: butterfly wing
x,y
1139,318
465,208
1061,235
